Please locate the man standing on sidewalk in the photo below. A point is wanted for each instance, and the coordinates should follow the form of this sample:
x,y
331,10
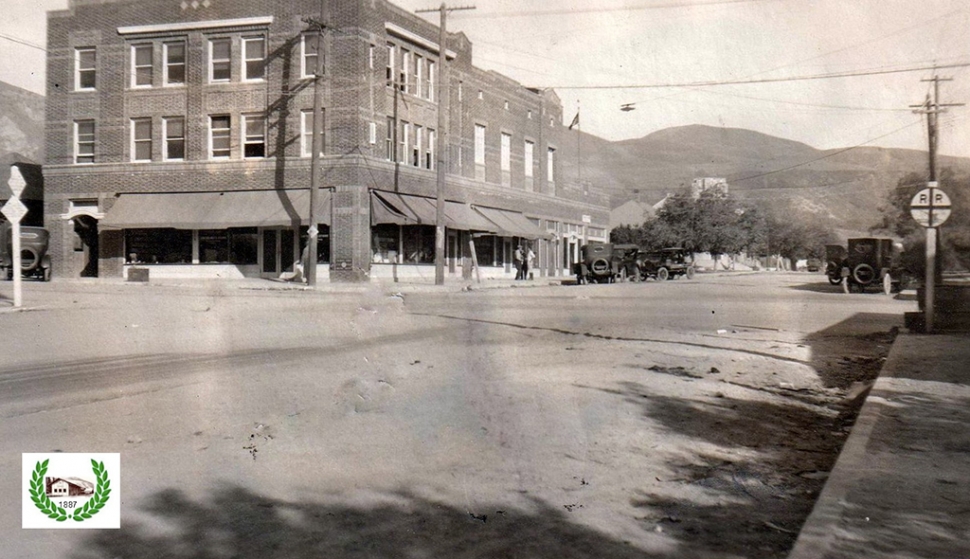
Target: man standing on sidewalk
x,y
519,258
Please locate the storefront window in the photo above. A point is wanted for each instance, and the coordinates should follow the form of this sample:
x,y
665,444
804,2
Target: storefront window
x,y
243,246
384,243
158,246
485,250
213,246
418,244
323,243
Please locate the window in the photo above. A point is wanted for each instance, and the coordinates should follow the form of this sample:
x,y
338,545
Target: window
x,y
220,65
429,153
479,152
391,50
372,133
405,140
389,141
418,74
254,136
403,71
506,159
529,165
174,63
174,130
219,137
306,128
85,63
141,139
84,141
370,57
416,150
418,241
551,165
254,58
506,105
309,56
429,83
158,246
141,65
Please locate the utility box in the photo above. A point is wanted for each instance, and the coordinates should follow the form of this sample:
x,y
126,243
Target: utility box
x,y
138,274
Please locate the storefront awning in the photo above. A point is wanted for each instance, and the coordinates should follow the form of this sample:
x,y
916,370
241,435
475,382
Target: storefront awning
x,y
512,224
407,209
215,210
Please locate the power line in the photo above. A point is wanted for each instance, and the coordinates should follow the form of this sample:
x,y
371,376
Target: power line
x,y
812,105
663,6
22,42
832,75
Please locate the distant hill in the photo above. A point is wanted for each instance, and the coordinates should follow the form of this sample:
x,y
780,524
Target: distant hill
x,y
21,122
843,187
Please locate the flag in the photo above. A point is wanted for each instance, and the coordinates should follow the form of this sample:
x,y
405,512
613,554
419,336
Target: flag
x,y
575,121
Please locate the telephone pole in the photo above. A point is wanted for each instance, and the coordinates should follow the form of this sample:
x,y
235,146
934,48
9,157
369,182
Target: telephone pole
x,y
441,144
932,108
310,266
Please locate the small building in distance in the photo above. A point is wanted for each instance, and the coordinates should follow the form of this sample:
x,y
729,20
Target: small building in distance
x,y
699,185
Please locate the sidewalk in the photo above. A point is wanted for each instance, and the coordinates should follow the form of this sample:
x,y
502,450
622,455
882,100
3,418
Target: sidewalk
x,y
901,486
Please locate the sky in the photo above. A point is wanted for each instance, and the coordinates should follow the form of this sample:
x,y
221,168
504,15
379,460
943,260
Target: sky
x,y
664,55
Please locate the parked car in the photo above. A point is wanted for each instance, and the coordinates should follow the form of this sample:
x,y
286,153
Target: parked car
x,y
34,260
606,263
834,262
665,263
871,262
813,265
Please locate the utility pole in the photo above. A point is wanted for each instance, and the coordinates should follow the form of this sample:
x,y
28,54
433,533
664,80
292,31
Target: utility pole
x,y
932,108
310,266
444,97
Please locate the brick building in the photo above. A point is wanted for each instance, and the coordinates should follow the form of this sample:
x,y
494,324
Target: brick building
x,y
178,137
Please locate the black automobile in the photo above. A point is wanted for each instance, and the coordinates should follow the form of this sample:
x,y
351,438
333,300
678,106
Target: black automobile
x,y
34,260
606,263
665,263
871,262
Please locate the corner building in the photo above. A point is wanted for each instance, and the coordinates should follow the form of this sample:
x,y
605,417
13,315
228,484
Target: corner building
x,y
179,138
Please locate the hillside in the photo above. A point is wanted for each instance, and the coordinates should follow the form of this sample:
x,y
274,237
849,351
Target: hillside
x,y
21,122
844,187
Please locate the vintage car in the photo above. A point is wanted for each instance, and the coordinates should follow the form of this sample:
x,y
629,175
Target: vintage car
x,y
606,263
34,260
665,263
871,262
834,260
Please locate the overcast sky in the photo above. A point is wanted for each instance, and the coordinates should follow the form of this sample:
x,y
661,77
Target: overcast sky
x,y
609,44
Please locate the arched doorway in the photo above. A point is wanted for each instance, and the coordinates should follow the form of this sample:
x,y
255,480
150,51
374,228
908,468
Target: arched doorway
x,y
86,245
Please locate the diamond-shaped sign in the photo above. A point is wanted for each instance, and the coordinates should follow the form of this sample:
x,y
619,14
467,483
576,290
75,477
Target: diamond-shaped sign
x,y
16,181
14,210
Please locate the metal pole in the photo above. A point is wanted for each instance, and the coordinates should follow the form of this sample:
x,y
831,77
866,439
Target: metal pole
x,y
442,148
18,299
317,146
930,289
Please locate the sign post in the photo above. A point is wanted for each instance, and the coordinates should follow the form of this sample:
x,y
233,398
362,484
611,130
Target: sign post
x,y
930,208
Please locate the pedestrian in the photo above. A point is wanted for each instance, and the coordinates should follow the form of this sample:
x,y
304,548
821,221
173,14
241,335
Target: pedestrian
x,y
530,258
519,258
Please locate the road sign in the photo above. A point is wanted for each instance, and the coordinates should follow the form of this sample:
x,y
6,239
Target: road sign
x,y
16,181
14,210
930,207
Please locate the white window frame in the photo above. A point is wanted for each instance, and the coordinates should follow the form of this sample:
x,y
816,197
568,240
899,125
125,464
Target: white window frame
x,y
247,140
79,70
168,64
135,66
213,60
389,147
372,133
418,74
429,154
223,132
168,138
78,142
306,132
480,131
551,164
308,71
530,147
431,80
391,59
403,72
405,141
506,152
135,141
245,60
416,148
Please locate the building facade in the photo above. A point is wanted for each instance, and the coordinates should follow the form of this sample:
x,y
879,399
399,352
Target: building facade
x,y
179,138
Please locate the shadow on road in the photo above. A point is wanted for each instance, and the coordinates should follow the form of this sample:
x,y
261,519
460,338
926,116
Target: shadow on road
x,y
853,350
236,522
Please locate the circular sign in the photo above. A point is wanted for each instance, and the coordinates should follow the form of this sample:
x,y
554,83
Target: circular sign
x,y
930,207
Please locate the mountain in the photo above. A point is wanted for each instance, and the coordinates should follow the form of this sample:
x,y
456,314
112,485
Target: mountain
x,y
21,123
844,187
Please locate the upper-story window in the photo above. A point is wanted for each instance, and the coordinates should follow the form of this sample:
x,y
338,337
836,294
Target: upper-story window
x,y
85,62
418,74
254,58
174,53
391,55
416,149
220,60
529,158
403,74
219,137
84,141
429,153
551,165
174,131
479,152
389,140
141,139
141,65
306,135
506,159
254,136
308,56
429,83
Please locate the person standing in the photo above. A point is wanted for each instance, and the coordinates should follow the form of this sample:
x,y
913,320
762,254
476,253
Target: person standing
x,y
519,258
530,259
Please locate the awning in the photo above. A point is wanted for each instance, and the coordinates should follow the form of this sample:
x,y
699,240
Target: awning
x,y
407,209
215,210
512,224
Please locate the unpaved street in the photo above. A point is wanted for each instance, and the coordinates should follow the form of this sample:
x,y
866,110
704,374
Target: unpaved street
x,y
677,419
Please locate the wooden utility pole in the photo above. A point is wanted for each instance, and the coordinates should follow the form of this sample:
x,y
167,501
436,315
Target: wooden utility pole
x,y
444,97
310,266
932,108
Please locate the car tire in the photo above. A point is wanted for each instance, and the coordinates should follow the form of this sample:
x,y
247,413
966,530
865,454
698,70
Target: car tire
x,y
29,259
47,273
834,280
846,288
863,274
690,272
600,266
663,274
887,284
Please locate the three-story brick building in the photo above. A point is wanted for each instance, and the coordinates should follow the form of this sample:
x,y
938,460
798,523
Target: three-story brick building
x,y
179,137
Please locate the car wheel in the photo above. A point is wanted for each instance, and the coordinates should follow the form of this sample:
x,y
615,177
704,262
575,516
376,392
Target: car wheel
x,y
690,272
887,284
29,259
635,275
863,274
662,274
47,273
846,288
835,280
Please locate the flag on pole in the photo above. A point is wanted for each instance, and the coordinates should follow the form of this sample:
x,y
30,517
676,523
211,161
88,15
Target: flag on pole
x,y
575,121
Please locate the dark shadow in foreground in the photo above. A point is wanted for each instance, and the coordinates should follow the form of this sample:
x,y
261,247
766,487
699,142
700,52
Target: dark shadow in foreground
x,y
236,522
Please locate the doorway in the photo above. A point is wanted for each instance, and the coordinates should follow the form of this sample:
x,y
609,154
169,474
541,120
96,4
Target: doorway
x,y
278,250
86,245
